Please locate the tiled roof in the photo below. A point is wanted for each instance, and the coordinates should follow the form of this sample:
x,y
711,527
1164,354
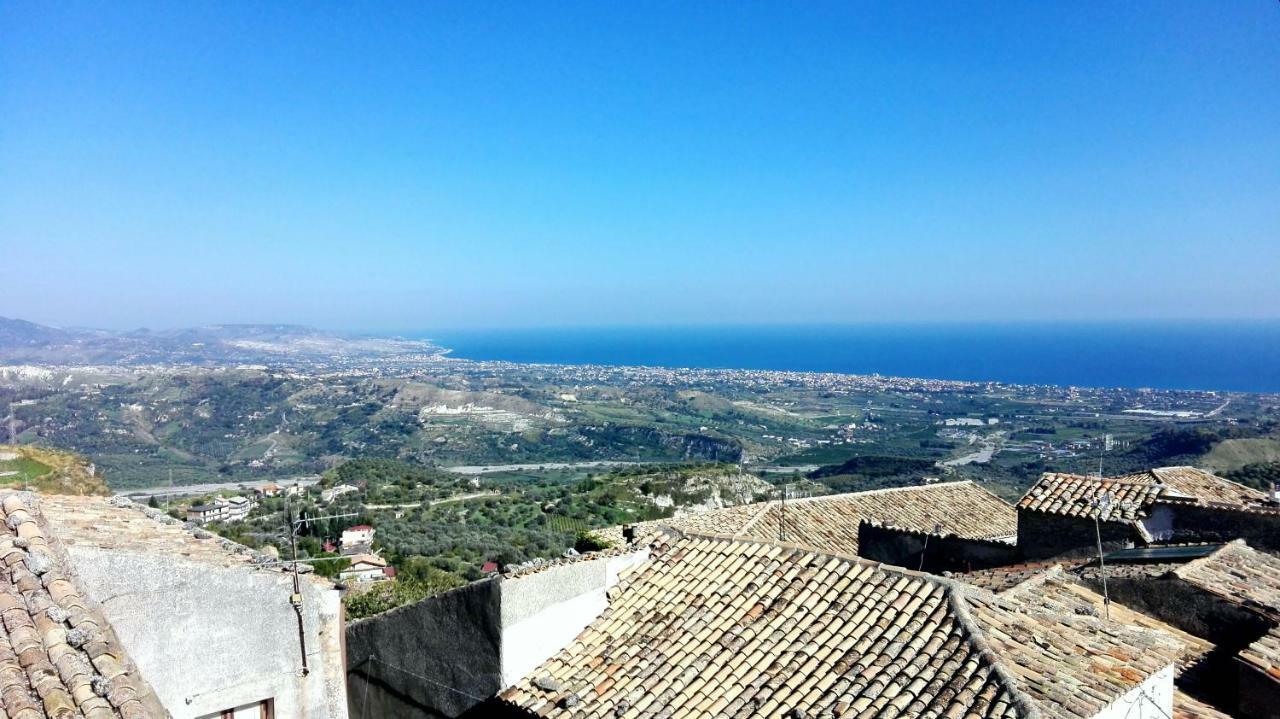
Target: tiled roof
x,y
830,523
721,627
1238,574
998,579
1201,485
1186,706
1265,654
1075,495
1132,495
58,655
1056,591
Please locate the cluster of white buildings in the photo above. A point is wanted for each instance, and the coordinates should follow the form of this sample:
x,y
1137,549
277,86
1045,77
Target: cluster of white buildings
x,y
221,509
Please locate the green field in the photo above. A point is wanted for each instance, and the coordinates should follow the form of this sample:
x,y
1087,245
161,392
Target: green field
x,y
23,470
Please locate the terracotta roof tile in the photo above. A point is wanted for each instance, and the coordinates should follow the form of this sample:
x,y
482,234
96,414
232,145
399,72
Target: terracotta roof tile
x,y
1057,591
998,579
58,656
1076,495
830,522
1238,574
1186,706
1265,654
1202,486
1132,495
717,626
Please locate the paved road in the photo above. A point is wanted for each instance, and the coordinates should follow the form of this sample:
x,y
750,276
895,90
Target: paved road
x,y
186,490
489,468
434,502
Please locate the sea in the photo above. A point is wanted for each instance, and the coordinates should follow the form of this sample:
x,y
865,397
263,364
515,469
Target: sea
x,y
1241,356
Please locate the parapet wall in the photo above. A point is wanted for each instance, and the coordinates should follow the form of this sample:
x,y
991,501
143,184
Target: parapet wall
x,y
931,552
444,655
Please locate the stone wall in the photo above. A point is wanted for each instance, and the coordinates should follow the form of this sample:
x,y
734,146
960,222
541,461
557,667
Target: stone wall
x,y
1261,529
1228,626
906,548
1043,536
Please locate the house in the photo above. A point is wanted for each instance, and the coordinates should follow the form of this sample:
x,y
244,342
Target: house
x,y
1069,514
97,577
205,513
357,539
270,490
714,626
366,568
1227,595
831,522
337,490
230,509
489,568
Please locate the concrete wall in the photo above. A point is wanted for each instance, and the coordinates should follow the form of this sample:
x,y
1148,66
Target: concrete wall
x,y
444,656
543,612
906,549
209,638
434,658
1043,536
1153,699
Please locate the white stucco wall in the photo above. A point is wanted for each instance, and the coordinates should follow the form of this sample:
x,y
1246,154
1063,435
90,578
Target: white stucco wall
x,y
543,612
1160,523
1153,699
209,638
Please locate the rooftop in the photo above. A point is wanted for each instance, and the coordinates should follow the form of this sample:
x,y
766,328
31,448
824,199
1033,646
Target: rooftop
x,y
59,656
1238,574
121,525
998,579
722,626
1186,706
1056,591
1264,654
830,522
1132,495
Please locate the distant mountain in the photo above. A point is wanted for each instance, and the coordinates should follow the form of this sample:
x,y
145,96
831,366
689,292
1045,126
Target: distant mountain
x,y
21,333
30,343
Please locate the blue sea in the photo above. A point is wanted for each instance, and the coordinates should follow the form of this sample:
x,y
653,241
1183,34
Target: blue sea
x,y
1221,355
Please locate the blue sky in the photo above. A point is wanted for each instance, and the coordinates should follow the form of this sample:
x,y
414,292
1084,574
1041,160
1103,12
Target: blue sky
x,y
421,165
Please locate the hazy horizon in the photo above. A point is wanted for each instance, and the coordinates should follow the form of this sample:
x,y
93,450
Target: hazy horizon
x,y
610,165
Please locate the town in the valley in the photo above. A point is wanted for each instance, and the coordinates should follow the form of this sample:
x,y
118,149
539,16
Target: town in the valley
x,y
873,547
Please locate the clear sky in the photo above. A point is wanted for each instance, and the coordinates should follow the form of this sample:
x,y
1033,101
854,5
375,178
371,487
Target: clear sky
x,y
401,166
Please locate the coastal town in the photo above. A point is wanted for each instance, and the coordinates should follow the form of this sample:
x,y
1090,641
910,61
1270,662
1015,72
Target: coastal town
x,y
1155,593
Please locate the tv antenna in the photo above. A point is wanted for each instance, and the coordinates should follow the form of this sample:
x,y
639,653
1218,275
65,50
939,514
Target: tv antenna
x,y
296,600
1100,505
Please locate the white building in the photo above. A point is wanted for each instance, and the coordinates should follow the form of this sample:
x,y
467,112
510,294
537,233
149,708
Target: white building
x,y
229,509
357,539
181,624
336,491
366,568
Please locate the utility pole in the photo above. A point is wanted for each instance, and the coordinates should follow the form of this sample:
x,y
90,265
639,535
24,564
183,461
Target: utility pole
x,y
296,599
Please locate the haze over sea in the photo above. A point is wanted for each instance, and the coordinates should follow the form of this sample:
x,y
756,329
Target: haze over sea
x,y
1208,355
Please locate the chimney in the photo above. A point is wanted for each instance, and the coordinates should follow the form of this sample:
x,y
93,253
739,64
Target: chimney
x,y
629,533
